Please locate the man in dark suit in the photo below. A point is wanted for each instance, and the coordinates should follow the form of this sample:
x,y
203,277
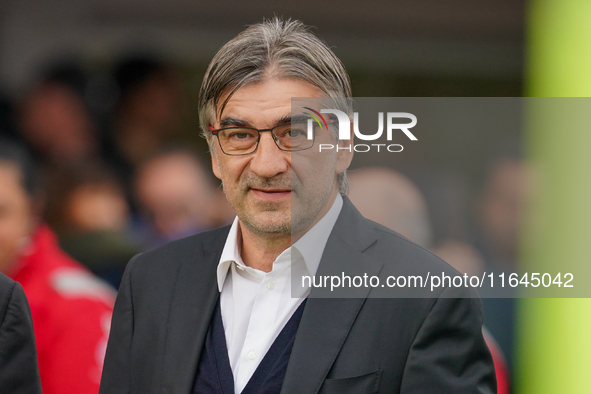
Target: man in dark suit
x,y
219,313
19,373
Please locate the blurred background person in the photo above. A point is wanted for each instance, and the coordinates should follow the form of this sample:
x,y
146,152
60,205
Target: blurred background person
x,y
177,197
499,212
391,199
71,308
87,207
54,120
147,115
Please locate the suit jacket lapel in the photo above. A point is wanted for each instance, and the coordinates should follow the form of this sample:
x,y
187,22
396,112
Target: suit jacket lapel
x,y
192,307
326,322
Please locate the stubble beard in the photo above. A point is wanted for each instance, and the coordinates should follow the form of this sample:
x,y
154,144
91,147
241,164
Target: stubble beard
x,y
252,216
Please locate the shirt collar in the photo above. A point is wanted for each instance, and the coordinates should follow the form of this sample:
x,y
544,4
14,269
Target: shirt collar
x,y
310,245
230,253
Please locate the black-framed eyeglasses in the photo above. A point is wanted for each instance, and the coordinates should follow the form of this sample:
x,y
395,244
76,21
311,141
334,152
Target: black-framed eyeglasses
x,y
239,141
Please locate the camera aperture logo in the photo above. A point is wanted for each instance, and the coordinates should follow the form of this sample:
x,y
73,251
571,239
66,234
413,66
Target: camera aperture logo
x,y
344,123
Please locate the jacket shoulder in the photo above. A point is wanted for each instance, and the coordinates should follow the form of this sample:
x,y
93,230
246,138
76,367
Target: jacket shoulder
x,y
167,259
401,249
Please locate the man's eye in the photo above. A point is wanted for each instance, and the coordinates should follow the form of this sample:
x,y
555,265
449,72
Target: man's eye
x,y
293,133
240,135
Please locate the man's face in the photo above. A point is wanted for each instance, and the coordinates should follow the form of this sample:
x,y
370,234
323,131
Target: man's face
x,y
270,195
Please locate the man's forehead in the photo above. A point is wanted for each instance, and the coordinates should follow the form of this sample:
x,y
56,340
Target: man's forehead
x,y
269,101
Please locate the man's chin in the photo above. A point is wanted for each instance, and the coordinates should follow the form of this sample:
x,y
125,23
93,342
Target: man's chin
x,y
269,229
272,206
268,222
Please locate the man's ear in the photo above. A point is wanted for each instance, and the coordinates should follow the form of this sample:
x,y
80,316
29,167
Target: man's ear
x,y
214,161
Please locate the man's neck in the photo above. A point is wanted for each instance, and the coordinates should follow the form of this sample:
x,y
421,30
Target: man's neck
x,y
260,252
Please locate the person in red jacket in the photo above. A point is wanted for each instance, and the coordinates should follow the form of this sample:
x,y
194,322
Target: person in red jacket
x,y
70,307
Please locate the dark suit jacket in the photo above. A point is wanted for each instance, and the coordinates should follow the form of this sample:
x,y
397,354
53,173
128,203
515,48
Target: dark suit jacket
x,y
19,372
348,345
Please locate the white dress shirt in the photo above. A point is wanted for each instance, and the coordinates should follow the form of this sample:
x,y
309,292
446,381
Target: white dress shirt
x,y
255,304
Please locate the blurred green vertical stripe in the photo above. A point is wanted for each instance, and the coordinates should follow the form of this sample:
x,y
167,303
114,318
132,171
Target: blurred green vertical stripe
x,y
554,335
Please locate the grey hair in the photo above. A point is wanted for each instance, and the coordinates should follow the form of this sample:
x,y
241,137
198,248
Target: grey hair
x,y
274,48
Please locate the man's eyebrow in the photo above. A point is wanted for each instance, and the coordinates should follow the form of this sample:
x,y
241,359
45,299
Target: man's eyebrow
x,y
229,122
286,119
299,118
283,120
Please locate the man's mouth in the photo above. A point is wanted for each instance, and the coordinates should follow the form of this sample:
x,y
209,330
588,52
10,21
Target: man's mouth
x,y
271,193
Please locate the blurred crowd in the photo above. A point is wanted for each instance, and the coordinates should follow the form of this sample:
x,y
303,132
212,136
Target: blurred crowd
x,y
93,170
117,177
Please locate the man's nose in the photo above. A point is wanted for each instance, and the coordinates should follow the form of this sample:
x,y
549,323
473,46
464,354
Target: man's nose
x,y
268,159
